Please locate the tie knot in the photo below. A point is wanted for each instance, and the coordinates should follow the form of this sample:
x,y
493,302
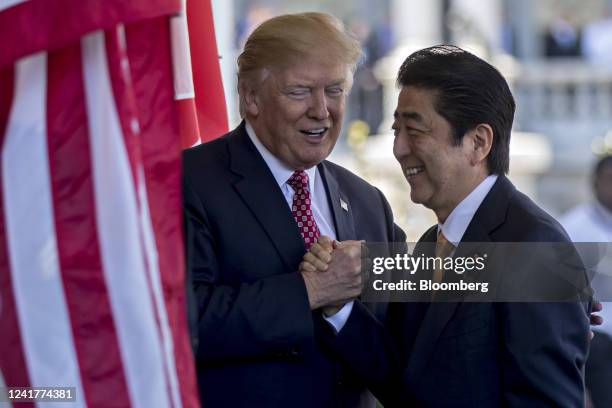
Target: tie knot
x,y
298,180
443,246
442,239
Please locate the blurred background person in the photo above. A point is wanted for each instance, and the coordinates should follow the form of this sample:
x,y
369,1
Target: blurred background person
x,y
562,39
365,102
597,39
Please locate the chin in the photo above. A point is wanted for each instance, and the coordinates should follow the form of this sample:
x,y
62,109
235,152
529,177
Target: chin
x,y
317,158
418,198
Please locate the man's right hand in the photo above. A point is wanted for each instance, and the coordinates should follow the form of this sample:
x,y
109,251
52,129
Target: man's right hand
x,y
340,281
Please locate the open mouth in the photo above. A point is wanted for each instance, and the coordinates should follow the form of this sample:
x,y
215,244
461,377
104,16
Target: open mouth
x,y
315,133
412,171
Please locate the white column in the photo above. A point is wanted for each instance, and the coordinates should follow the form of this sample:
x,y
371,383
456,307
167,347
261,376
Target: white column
x,y
525,29
417,24
223,15
417,21
485,17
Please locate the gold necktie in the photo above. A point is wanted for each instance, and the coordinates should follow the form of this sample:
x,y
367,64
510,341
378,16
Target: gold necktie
x,y
444,248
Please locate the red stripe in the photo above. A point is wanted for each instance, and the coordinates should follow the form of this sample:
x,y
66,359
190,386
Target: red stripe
x,y
125,102
91,316
188,122
161,149
12,356
209,96
123,92
50,24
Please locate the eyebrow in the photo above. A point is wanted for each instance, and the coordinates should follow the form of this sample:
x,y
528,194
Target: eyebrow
x,y
336,82
417,117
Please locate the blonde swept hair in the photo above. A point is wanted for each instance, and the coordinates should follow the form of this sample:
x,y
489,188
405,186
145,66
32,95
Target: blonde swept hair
x,y
283,40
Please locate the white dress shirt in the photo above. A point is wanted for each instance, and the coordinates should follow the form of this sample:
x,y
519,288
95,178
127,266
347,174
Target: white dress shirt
x,y
319,205
458,220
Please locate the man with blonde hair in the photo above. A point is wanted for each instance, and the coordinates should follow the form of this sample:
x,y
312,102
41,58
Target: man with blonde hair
x,y
255,200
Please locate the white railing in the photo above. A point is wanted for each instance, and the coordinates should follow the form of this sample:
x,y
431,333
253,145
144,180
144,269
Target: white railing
x,y
569,101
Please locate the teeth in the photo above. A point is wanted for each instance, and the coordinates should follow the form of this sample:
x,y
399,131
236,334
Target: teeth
x,y
314,131
411,171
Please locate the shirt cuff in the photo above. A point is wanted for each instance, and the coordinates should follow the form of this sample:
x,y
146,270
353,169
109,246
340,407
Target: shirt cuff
x,y
339,319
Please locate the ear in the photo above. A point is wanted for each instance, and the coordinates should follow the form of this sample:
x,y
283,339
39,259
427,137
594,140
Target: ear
x,y
482,141
249,98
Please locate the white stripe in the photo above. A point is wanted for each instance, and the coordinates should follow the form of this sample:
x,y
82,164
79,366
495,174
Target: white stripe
x,y
181,55
37,284
4,4
186,95
155,278
118,229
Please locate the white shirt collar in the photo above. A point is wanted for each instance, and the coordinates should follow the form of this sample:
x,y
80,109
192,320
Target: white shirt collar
x,y
280,170
602,212
458,220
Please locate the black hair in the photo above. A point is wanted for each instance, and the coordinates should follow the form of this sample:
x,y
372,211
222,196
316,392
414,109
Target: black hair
x,y
603,162
469,91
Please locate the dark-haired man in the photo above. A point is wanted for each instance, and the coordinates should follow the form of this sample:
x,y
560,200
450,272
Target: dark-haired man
x,y
452,131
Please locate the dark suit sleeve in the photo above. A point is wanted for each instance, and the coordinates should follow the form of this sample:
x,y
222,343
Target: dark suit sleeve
x,y
190,299
543,352
365,346
263,318
545,344
366,350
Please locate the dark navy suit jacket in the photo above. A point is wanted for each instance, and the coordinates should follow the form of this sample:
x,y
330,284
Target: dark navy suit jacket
x,y
461,354
258,343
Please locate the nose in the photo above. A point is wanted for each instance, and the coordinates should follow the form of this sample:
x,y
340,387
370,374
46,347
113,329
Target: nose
x,y
318,106
401,145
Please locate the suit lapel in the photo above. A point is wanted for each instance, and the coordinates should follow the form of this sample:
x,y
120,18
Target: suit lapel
x,y
490,215
257,187
339,204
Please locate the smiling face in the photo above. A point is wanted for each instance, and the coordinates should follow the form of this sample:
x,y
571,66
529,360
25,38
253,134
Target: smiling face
x,y
297,111
440,173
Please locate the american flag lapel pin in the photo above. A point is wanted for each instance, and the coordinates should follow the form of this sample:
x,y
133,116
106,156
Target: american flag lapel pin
x,y
344,205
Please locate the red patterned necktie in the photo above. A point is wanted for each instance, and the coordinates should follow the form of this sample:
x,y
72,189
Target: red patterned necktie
x,y
301,209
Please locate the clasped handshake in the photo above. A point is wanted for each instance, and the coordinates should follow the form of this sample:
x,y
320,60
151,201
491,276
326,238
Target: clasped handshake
x,y
332,273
